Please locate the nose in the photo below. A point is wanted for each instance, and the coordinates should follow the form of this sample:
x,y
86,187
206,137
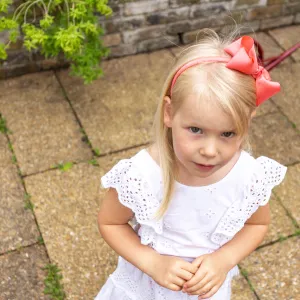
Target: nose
x,y
209,148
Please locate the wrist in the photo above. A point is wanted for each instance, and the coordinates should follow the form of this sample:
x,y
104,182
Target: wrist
x,y
150,261
226,257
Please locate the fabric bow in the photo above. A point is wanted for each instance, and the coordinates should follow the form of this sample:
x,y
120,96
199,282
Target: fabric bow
x,y
244,60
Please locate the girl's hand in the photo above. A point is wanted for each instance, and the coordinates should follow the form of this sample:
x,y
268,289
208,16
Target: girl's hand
x,y
209,277
171,272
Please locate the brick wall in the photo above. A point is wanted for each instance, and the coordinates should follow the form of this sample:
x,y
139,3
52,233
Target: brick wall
x,y
145,25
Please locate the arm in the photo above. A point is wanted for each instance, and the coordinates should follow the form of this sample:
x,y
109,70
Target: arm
x,y
113,225
220,262
247,239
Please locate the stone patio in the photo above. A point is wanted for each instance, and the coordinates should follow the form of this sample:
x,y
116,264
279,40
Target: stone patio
x,y
53,119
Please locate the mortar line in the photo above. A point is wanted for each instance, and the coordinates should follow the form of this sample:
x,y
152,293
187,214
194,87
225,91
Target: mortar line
x,y
21,248
248,281
74,112
294,221
24,187
276,241
85,161
282,112
281,47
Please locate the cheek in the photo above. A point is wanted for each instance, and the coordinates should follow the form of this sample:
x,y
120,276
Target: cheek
x,y
232,148
181,145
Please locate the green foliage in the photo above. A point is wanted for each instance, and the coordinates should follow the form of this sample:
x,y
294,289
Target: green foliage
x,y
41,240
64,167
28,203
65,26
3,127
53,287
93,162
4,5
97,151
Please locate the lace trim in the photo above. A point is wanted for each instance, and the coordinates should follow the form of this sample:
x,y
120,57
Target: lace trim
x,y
135,193
267,174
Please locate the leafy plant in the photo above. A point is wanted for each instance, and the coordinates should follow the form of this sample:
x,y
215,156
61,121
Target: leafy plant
x,y
60,26
53,285
64,166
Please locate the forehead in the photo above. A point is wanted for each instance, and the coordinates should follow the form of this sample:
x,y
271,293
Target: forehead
x,y
205,113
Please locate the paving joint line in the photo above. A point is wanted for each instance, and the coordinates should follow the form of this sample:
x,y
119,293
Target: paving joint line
x,y
295,223
266,114
75,114
281,47
244,273
85,161
24,187
123,149
293,164
277,241
19,249
281,111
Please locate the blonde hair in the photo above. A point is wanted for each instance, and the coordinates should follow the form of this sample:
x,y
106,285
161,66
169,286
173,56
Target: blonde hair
x,y
233,91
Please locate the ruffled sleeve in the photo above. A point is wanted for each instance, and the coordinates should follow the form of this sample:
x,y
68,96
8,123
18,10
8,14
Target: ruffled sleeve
x,y
135,193
265,174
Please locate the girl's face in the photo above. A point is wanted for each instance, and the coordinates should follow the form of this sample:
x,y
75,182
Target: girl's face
x,y
204,139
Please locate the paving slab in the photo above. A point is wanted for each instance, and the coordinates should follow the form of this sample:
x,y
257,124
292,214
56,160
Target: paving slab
x,y
241,289
66,208
274,270
267,107
22,276
274,136
281,225
117,110
287,100
17,224
287,37
289,192
45,131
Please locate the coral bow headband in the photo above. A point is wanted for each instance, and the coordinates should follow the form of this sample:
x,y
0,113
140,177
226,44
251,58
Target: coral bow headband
x,y
243,60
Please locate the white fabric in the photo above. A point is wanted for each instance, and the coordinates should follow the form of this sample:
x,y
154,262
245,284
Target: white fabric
x,y
198,221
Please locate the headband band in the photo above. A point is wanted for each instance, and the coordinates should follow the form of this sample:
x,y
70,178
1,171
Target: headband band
x,y
243,60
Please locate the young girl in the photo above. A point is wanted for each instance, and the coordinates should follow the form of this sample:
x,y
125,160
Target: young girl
x,y
198,198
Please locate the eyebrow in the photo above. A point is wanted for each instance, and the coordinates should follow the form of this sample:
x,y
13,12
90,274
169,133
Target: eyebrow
x,y
194,124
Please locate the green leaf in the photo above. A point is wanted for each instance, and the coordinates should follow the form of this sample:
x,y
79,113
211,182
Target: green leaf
x,y
88,27
103,8
14,34
3,54
4,5
34,37
6,23
46,22
69,39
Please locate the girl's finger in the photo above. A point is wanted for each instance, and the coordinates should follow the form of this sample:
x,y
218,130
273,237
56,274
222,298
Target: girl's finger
x,y
210,293
189,267
199,276
173,287
197,262
204,290
178,281
186,275
201,285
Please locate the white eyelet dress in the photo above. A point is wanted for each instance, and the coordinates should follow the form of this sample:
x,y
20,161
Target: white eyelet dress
x,y
198,221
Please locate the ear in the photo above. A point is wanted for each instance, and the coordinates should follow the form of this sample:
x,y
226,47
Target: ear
x,y
253,114
167,111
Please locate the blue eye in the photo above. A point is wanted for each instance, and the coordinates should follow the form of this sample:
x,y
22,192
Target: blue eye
x,y
228,134
195,130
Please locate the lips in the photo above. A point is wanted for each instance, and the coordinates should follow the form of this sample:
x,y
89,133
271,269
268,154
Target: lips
x,y
205,165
